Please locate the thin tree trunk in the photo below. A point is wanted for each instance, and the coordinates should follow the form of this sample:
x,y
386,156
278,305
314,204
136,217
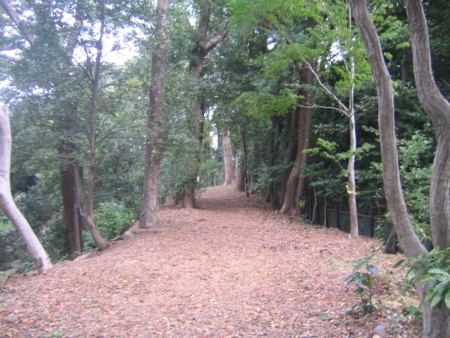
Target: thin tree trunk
x,y
351,177
7,204
149,202
240,169
228,159
87,201
270,197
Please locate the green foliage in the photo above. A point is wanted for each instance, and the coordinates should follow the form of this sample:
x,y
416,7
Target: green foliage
x,y
432,269
363,277
416,156
113,219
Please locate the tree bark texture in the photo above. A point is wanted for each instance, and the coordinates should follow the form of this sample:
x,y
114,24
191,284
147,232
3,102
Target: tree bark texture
x,y
201,50
149,205
438,108
389,155
292,192
435,321
228,159
7,204
240,169
71,214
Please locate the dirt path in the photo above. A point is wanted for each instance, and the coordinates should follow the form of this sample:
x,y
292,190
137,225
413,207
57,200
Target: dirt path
x,y
228,269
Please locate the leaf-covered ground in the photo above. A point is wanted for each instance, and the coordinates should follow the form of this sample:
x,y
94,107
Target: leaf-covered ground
x,y
232,268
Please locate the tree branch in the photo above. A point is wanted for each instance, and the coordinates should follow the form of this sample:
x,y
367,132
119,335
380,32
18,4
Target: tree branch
x,y
17,21
10,58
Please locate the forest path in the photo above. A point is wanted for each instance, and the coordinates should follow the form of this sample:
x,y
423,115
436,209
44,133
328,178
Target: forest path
x,y
231,268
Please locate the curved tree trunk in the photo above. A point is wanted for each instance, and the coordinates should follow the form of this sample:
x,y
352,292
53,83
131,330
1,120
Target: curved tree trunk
x,y
435,320
7,204
438,108
149,203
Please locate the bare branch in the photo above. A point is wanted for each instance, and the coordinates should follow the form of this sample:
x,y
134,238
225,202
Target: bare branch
x,y
344,108
17,21
208,45
10,58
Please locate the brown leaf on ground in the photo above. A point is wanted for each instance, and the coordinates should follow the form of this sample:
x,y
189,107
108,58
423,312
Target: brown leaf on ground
x,y
231,268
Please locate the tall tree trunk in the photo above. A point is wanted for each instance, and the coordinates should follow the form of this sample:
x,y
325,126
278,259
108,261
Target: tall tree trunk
x,y
240,169
435,320
290,151
149,202
201,50
270,197
438,108
304,132
7,204
351,177
86,201
71,214
228,159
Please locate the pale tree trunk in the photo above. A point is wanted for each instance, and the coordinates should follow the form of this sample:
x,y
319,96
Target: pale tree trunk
x,y
149,204
351,177
350,113
228,159
435,321
201,50
438,109
7,204
240,169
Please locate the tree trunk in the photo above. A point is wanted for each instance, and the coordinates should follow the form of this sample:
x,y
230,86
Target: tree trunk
x,y
228,159
290,151
71,214
351,179
304,132
240,169
438,108
149,204
201,50
436,321
7,204
270,197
